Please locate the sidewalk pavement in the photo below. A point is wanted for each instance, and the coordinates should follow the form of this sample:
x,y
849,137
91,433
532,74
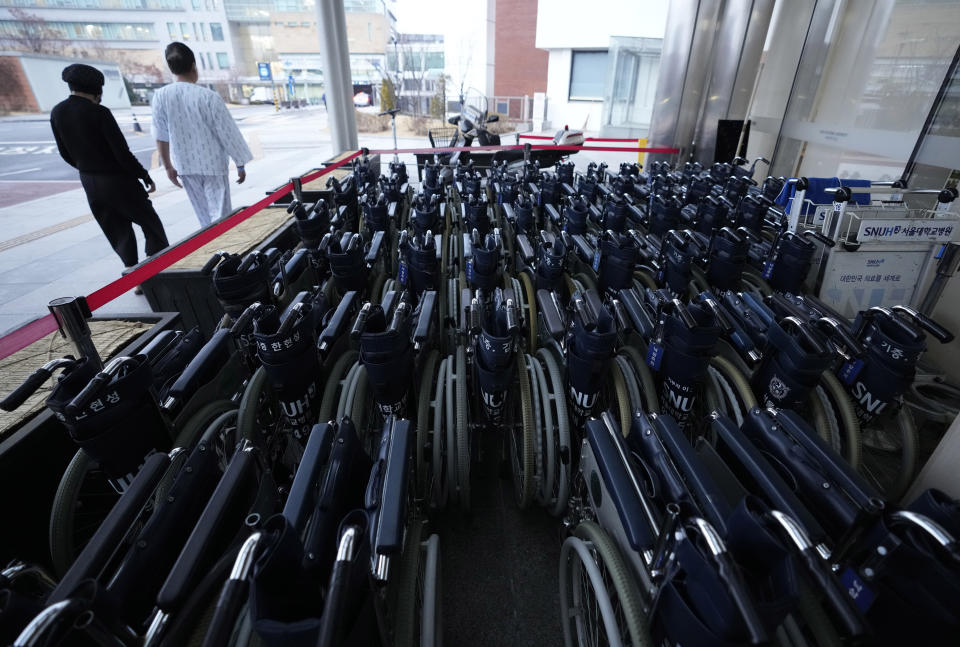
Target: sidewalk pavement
x,y
69,256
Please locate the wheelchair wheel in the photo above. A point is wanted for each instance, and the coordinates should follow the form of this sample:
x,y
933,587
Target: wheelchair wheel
x,y
699,279
333,390
530,308
588,282
425,407
889,458
628,604
556,486
731,388
199,421
363,412
622,398
254,398
83,500
643,280
586,608
348,395
753,281
462,406
388,285
648,387
429,590
407,624
522,440
442,444
840,411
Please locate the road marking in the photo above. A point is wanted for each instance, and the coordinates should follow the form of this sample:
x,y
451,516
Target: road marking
x,y
26,170
34,181
143,150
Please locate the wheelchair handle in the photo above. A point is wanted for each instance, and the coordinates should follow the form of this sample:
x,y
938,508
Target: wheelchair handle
x,y
245,318
213,261
233,594
361,322
586,315
730,575
684,314
726,327
831,325
805,333
248,262
846,610
292,318
36,379
98,381
336,590
829,242
943,335
932,529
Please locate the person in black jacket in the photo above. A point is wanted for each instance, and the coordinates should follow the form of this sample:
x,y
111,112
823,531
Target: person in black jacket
x,y
90,140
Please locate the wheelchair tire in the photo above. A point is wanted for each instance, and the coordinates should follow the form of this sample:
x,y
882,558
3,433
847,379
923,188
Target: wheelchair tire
x,y
335,382
557,498
622,398
624,582
522,440
644,280
440,485
753,281
463,429
425,418
73,522
250,402
908,456
847,417
588,282
406,630
198,422
738,384
699,279
647,384
531,310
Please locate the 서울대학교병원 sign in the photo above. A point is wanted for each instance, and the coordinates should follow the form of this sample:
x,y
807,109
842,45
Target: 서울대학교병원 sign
x,y
926,230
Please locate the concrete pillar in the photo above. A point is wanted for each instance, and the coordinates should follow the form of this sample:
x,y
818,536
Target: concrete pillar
x,y
332,25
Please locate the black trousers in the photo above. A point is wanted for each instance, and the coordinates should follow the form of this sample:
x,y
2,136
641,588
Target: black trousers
x,y
118,202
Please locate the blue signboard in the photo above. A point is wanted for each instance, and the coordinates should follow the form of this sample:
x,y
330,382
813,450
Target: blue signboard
x,y
264,70
290,86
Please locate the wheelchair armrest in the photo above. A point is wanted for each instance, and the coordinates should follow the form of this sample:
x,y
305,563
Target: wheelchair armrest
x,y
639,317
467,246
438,245
553,213
213,356
551,313
301,499
634,213
388,533
97,553
770,484
604,190
424,322
392,211
595,214
694,473
466,320
533,188
375,245
508,212
220,520
270,256
526,249
618,477
341,319
569,190
583,248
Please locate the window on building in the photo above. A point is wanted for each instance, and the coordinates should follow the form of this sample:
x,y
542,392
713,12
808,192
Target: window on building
x,y
206,30
216,30
223,60
172,31
184,32
203,63
196,5
588,73
209,61
196,32
434,60
369,31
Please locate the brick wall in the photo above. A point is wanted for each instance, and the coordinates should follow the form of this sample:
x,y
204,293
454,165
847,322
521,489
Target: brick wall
x,y
15,91
519,67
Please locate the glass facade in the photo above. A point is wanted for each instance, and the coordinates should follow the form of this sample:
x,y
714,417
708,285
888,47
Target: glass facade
x,y
157,5
216,31
86,31
631,86
223,60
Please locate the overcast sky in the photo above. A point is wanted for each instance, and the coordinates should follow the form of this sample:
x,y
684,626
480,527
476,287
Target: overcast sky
x,y
424,16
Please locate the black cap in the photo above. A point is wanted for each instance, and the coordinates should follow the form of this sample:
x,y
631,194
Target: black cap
x,y
83,78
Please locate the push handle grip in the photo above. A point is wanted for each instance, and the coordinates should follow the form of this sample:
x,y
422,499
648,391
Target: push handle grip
x,y
212,263
361,323
25,390
826,240
87,393
846,612
737,589
245,318
943,335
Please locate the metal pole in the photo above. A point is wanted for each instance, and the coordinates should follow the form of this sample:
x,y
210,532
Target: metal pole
x,y
336,70
71,314
947,267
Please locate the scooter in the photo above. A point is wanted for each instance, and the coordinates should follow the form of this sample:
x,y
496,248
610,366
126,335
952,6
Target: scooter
x,y
473,120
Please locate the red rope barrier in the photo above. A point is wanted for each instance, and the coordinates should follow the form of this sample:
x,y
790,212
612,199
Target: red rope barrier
x,y
31,332
39,328
589,139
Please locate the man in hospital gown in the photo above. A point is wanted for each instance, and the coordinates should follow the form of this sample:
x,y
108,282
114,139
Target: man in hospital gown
x,y
195,136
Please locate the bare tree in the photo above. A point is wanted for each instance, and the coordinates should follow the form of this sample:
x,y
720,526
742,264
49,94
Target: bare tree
x,y
414,63
33,34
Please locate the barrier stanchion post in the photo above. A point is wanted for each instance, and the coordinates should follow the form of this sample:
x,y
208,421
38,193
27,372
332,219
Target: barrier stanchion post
x,y
71,314
642,155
